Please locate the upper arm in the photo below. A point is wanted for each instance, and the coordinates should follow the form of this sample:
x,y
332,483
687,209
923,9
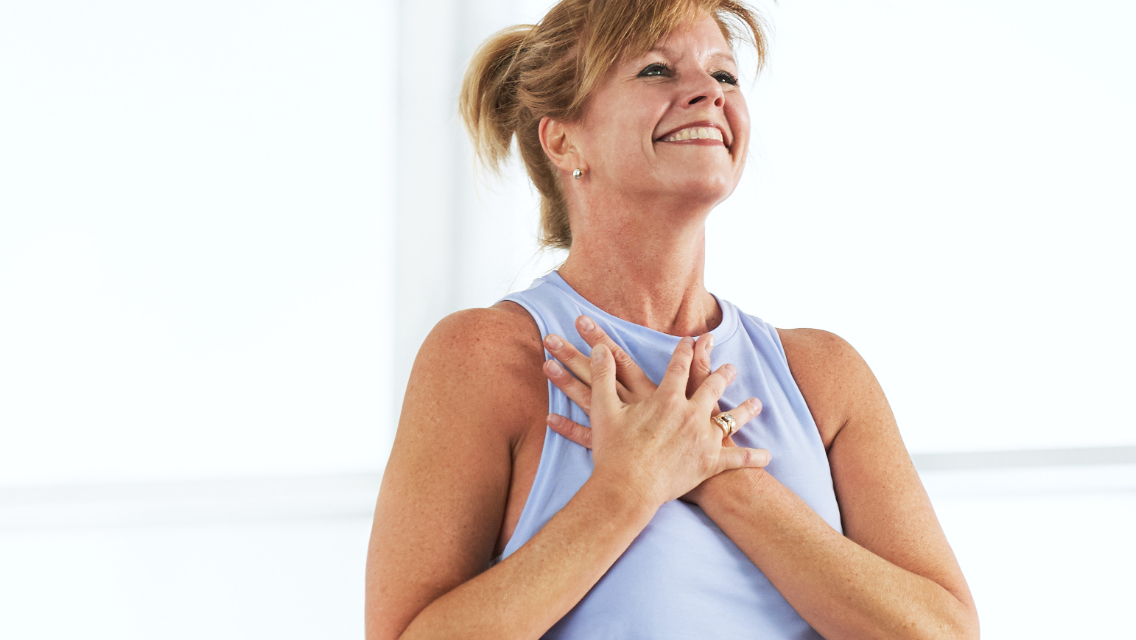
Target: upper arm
x,y
444,490
883,505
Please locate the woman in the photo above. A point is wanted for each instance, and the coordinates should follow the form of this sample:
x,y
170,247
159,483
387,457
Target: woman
x,y
602,505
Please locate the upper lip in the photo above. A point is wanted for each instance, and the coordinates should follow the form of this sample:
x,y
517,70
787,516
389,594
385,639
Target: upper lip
x,y
704,123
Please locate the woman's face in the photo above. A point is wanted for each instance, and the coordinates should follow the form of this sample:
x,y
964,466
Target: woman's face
x,y
671,123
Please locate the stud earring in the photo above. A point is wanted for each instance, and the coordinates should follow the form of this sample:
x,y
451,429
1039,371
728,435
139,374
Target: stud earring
x,y
577,174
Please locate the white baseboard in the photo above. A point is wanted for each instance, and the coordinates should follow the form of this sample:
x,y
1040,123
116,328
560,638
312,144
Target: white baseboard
x,y
168,503
945,475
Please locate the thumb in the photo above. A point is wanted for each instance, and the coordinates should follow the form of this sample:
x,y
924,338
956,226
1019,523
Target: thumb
x,y
604,394
742,458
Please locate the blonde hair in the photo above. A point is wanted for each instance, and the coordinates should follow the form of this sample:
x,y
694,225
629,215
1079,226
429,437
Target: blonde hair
x,y
526,72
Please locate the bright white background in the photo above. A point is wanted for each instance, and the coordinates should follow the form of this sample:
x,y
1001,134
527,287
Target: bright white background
x,y
225,228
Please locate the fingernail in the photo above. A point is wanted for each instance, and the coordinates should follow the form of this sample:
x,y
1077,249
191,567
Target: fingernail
x,y
555,368
554,342
587,325
709,343
554,419
598,353
731,370
687,340
755,404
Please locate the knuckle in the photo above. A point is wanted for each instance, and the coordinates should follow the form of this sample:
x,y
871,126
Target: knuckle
x,y
681,352
748,458
722,380
709,461
715,385
621,356
675,403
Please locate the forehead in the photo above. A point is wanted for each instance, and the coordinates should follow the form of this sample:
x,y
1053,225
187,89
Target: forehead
x,y
702,38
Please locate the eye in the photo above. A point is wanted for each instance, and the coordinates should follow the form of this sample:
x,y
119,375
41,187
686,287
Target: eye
x,y
655,69
726,77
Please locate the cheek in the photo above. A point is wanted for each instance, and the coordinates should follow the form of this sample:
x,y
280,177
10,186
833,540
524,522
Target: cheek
x,y
626,143
738,114
614,142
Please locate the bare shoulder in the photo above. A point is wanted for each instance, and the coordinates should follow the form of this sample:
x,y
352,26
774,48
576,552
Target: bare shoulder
x,y
883,506
483,358
836,382
498,336
444,491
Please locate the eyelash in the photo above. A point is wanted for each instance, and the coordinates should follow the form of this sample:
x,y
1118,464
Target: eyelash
x,y
722,76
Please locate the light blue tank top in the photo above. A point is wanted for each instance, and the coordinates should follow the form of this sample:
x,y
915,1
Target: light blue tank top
x,y
681,577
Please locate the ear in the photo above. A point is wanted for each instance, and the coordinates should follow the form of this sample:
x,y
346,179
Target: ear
x,y
558,141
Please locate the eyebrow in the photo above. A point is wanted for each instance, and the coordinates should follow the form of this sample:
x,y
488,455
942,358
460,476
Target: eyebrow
x,y
714,56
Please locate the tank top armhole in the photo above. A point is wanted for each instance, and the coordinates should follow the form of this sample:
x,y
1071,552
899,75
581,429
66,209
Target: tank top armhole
x,y
524,521
788,382
521,302
776,335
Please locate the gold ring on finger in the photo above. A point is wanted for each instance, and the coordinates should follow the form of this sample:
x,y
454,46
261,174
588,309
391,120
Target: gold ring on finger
x,y
727,423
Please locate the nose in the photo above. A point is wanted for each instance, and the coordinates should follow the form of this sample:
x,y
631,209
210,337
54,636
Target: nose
x,y
703,89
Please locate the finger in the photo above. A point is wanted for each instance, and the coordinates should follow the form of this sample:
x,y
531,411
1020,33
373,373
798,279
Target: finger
x,y
579,364
626,371
700,366
744,412
714,386
742,458
674,380
604,396
576,391
574,431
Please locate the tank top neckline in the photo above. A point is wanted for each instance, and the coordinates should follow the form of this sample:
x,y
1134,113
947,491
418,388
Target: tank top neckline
x,y
724,331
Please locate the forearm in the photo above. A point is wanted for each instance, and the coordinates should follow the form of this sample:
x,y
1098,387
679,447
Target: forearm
x,y
524,595
840,588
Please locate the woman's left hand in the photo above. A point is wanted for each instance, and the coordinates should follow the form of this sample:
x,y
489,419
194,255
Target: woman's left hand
x,y
632,384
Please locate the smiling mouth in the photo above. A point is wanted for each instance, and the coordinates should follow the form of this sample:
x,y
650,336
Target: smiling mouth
x,y
695,133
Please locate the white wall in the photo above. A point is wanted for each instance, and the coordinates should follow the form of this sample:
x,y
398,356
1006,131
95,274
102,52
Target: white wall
x,y
225,228
195,242
948,186
196,269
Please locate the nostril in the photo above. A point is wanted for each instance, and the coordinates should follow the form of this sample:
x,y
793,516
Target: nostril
x,y
696,100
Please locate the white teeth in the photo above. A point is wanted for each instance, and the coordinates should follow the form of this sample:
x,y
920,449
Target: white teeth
x,y
696,133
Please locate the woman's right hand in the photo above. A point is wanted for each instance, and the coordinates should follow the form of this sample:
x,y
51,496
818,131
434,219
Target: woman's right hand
x,y
665,445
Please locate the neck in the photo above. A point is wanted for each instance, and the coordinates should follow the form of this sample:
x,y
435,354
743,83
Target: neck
x,y
650,275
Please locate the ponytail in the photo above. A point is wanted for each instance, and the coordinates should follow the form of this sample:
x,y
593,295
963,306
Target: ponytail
x,y
527,72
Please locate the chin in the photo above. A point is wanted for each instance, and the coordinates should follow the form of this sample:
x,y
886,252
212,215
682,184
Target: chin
x,y
708,189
